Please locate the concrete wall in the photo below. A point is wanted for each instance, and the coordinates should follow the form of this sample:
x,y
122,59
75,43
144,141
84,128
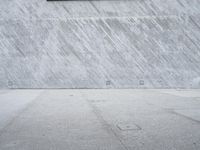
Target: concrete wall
x,y
100,44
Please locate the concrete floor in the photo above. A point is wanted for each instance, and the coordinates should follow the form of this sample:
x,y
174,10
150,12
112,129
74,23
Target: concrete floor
x,y
100,119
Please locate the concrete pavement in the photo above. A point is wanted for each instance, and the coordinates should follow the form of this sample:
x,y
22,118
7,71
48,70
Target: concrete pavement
x,y
100,119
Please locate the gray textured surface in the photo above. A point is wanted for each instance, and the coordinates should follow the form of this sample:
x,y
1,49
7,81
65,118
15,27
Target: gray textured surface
x,y
100,120
100,44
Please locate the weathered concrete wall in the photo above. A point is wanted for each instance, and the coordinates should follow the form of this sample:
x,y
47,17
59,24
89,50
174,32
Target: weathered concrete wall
x,y
100,44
